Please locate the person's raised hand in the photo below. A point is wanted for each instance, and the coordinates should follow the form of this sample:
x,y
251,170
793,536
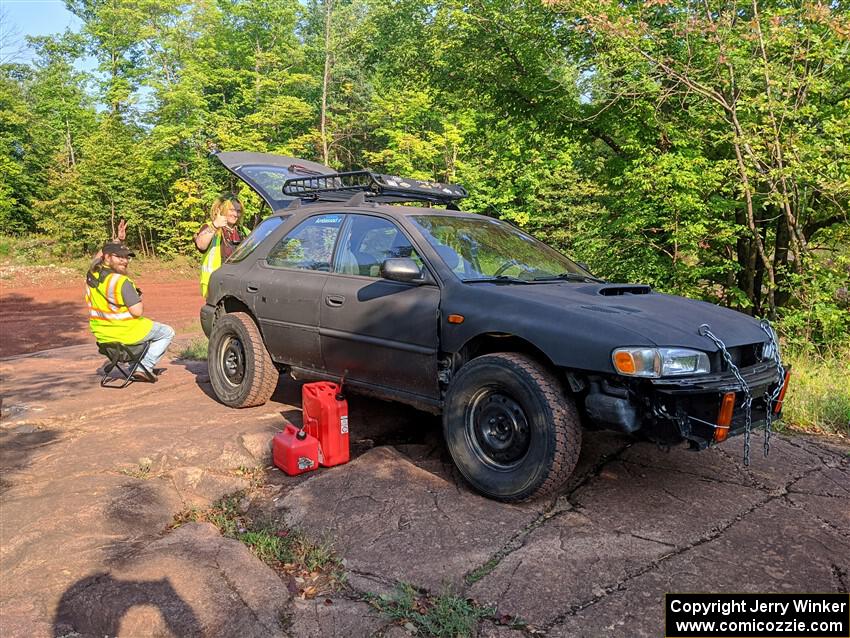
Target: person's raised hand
x,y
220,221
122,230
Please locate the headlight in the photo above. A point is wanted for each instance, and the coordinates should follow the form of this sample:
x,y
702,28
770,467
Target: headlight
x,y
659,362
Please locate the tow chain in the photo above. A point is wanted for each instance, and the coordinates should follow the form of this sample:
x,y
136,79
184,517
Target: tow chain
x,y
705,331
769,399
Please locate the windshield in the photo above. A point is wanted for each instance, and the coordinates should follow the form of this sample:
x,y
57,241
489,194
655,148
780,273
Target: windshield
x,y
485,249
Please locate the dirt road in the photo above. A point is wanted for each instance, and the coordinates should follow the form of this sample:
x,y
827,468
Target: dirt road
x,y
33,319
91,480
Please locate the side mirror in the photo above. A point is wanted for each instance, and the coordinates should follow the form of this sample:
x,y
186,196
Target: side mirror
x,y
402,269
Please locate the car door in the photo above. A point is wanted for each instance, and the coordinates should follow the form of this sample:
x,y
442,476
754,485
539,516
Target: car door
x,y
378,332
287,288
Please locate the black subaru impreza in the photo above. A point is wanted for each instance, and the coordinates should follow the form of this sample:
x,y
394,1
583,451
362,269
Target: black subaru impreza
x,y
517,346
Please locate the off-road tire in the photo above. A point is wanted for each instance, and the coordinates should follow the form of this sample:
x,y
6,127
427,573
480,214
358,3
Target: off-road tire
x,y
259,378
516,385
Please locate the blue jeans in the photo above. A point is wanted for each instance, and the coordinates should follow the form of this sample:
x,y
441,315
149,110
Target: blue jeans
x,y
160,337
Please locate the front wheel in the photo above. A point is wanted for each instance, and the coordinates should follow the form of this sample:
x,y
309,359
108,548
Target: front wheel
x,y
242,373
511,430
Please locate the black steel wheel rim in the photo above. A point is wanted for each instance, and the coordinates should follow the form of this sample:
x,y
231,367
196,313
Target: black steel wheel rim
x,y
497,429
233,361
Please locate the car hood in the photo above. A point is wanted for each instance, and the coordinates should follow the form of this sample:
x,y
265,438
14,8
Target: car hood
x,y
664,320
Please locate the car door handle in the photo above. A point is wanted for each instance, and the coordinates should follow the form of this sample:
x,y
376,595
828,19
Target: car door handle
x,y
334,301
253,288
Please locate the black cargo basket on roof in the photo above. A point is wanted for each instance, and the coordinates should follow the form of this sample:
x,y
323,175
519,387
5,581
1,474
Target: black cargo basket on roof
x,y
338,187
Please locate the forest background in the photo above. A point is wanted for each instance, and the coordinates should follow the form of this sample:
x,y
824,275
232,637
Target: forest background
x,y
699,146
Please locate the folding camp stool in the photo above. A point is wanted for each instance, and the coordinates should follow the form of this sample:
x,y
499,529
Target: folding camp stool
x,y
120,353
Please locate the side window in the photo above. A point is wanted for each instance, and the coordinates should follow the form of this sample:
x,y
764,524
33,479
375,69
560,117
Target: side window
x,y
308,246
367,242
263,230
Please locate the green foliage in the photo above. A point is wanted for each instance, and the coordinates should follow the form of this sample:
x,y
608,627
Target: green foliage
x,y
197,349
277,546
17,183
818,396
701,148
445,615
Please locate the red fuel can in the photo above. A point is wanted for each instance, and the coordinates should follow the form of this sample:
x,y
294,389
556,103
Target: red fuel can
x,y
325,414
295,455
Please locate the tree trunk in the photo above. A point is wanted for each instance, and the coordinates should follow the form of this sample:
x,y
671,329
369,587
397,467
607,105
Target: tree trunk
x,y
780,260
112,217
72,160
746,258
142,242
751,223
758,280
326,77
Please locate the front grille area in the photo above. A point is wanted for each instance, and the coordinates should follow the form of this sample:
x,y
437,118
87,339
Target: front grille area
x,y
756,376
742,356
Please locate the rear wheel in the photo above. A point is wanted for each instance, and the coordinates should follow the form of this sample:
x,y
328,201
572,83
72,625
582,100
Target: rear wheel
x,y
242,373
511,430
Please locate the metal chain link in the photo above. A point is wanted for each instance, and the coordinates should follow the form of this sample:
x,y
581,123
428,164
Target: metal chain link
x,y
770,398
705,331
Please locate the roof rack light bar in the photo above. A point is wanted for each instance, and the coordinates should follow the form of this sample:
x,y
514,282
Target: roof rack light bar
x,y
337,187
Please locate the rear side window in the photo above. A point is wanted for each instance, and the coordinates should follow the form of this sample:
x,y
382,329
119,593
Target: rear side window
x,y
308,246
263,230
367,242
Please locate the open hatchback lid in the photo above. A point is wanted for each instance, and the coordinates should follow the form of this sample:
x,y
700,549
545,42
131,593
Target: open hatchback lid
x,y
266,173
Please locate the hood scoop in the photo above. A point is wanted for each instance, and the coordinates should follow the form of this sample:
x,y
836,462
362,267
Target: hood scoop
x,y
617,290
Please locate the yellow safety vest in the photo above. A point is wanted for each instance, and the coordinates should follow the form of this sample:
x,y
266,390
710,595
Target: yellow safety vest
x,y
109,318
212,258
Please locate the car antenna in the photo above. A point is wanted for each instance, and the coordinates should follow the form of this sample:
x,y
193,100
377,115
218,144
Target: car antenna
x,y
339,395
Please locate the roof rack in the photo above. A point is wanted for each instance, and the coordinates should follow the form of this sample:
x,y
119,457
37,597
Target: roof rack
x,y
339,187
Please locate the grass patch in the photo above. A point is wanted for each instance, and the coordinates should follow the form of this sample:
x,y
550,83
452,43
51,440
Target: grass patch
x,y
141,471
196,349
480,572
314,567
818,397
445,615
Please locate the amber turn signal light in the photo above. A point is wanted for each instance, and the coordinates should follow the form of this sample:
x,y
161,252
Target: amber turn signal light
x,y
624,362
724,417
455,319
778,407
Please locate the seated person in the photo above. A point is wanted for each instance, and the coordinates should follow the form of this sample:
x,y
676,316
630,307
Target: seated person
x,y
115,309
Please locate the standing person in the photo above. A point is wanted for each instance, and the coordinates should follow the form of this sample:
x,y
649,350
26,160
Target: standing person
x,y
115,309
219,238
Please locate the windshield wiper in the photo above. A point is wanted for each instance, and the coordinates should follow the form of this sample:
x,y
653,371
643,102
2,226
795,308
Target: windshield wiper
x,y
570,276
499,279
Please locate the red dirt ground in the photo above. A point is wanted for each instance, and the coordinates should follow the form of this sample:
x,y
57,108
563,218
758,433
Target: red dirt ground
x,y
34,318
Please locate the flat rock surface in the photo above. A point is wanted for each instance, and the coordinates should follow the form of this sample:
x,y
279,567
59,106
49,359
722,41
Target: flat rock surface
x,y
334,618
395,520
91,480
191,582
775,548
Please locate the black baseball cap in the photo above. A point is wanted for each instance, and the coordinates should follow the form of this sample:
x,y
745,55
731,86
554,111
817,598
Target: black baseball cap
x,y
117,248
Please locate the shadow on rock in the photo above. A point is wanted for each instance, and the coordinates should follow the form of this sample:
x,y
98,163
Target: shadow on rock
x,y
17,446
199,370
62,321
137,513
97,604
